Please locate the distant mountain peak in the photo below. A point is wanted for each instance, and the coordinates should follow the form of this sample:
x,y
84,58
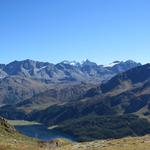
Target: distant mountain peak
x,y
88,62
128,62
66,70
73,63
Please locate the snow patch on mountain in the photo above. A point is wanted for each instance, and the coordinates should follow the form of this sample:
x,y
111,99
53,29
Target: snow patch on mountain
x,y
112,64
73,63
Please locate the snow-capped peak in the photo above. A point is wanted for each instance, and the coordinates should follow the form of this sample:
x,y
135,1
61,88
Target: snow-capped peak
x,y
73,63
112,64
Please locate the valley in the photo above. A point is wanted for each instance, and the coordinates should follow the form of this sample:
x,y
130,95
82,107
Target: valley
x,y
99,104
74,74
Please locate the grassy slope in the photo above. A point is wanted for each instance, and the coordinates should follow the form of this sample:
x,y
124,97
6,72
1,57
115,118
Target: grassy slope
x,y
19,142
11,140
136,143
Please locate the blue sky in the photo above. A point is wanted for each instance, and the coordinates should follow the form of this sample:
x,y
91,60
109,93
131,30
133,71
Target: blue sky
x,y
56,30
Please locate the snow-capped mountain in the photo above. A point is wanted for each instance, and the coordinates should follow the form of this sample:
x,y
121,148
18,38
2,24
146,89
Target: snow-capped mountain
x,y
73,63
65,71
20,80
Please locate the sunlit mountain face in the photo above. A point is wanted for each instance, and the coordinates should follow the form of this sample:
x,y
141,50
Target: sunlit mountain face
x,y
21,80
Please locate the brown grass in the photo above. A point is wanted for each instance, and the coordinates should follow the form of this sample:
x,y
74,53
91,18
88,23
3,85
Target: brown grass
x,y
136,143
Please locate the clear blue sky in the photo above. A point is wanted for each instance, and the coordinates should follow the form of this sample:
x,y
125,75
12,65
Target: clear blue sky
x,y
55,30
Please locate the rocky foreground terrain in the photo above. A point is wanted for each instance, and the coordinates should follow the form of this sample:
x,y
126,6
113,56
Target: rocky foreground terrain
x,y
10,139
130,143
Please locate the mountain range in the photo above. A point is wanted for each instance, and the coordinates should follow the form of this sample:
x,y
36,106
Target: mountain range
x,y
86,100
21,80
64,71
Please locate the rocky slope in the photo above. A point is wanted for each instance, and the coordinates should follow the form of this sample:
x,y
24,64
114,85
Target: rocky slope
x,y
64,71
14,89
129,143
125,94
63,103
21,80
